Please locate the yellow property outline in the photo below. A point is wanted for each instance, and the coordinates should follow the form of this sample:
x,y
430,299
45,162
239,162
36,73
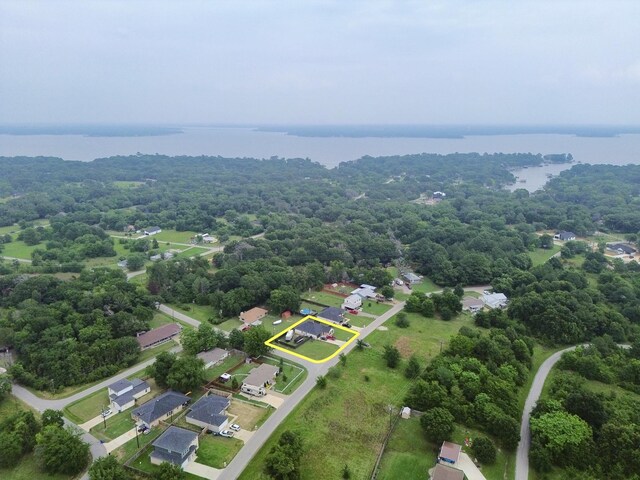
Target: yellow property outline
x,y
355,334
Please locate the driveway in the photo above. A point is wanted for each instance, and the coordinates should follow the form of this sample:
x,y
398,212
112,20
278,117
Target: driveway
x,y
121,440
272,400
469,468
201,470
86,426
244,435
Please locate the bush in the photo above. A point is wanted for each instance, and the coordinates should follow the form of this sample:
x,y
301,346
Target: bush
x,y
401,320
484,450
321,382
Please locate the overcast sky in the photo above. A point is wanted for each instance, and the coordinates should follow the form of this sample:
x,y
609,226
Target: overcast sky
x,y
325,62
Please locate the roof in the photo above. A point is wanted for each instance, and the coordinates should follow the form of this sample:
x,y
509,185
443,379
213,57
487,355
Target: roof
x,y
626,248
259,376
120,385
123,399
366,291
353,297
152,229
493,298
210,409
314,328
175,439
450,451
444,472
250,316
137,387
160,406
412,277
158,334
214,355
472,302
332,313
566,235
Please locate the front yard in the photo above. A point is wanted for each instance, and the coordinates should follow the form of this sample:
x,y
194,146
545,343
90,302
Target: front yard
x,y
116,425
315,349
216,451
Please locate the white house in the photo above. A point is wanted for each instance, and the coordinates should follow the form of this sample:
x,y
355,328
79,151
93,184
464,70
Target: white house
x,y
365,291
495,300
255,383
124,393
471,304
352,302
151,231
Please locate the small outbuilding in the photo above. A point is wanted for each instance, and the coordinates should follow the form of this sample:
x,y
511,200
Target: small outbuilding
x,y
565,236
449,452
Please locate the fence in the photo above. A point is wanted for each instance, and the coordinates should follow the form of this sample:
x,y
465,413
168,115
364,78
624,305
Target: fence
x,y
374,473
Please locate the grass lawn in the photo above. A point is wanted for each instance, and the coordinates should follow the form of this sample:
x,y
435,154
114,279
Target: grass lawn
x,y
315,349
295,375
358,320
126,451
152,352
324,298
9,229
174,236
27,469
191,252
217,370
374,308
19,249
143,462
426,286
541,255
88,407
127,184
230,324
408,453
216,451
201,313
116,426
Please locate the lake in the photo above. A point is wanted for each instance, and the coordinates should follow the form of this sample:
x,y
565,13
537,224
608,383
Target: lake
x,y
330,151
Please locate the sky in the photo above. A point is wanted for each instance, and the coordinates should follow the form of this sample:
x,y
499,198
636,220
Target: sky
x,y
320,62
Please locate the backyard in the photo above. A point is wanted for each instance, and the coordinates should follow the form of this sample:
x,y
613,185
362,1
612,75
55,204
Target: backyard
x,y
216,451
314,349
248,415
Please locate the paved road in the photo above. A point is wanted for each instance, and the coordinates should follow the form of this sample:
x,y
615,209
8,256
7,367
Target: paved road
x,y
522,454
244,456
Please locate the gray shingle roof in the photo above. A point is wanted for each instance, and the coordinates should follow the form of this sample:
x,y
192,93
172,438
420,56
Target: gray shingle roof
x,y
175,440
210,410
137,387
160,406
333,314
314,328
120,385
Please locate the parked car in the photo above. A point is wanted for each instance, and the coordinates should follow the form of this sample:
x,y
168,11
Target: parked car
x,y
346,324
225,377
226,433
142,428
330,337
235,427
353,311
106,413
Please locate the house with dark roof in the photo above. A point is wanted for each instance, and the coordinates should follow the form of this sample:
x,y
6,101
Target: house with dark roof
x,y
209,412
159,408
213,357
124,393
314,329
158,336
565,236
621,248
176,445
255,383
411,278
333,314
471,304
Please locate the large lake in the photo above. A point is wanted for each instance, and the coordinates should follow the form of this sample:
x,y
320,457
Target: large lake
x,y
330,151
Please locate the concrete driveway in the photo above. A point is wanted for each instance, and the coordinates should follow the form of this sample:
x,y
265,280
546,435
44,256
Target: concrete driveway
x,y
469,468
244,435
86,426
272,400
121,440
201,470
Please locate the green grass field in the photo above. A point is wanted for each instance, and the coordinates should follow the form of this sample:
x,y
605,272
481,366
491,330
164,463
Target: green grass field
x,y
201,313
18,249
217,370
315,349
191,252
116,425
217,451
426,286
127,184
541,255
323,298
295,375
9,229
374,308
27,469
174,236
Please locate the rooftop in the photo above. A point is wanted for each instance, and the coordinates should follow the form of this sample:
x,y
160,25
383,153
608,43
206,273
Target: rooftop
x,y
175,439
158,334
259,376
332,313
314,328
210,409
214,355
450,451
444,472
158,407
250,316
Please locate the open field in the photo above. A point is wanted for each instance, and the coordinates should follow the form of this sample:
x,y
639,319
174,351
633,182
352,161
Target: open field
x,y
191,252
426,286
9,229
324,298
541,255
127,184
201,313
375,308
174,236
217,370
19,249
249,416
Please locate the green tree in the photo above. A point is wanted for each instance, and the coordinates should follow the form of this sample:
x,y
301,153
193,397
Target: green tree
x,y
560,431
254,341
401,320
10,448
484,450
52,417
387,292
236,339
391,355
5,386
135,262
545,241
437,424
413,367
160,369
61,450
280,466
108,468
186,374
346,472
169,471
284,298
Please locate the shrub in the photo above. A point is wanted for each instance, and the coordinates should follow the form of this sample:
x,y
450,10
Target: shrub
x,y
484,450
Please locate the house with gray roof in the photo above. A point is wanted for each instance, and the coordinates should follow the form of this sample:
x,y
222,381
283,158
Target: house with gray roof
x,y
159,408
213,357
176,445
411,278
152,230
209,412
621,248
333,314
124,393
314,329
255,383
565,236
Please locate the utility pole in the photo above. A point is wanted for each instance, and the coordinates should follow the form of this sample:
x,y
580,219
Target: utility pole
x,y
137,439
104,418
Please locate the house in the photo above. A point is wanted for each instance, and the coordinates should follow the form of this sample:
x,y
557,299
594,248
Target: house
x,y
494,300
124,393
411,278
471,304
439,195
449,452
151,231
565,236
206,238
155,258
621,248
253,316
158,335
254,383
445,472
122,264
333,314
314,329
176,445
213,357
167,255
365,291
352,302
209,412
160,408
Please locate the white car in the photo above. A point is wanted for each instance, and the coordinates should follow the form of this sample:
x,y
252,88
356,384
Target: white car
x,y
226,433
277,322
106,413
225,376
235,427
